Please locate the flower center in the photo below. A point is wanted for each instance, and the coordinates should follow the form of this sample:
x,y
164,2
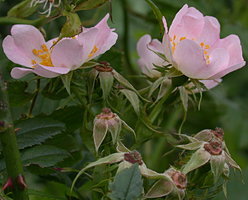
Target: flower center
x,y
175,40
133,157
106,114
214,148
93,51
43,56
179,179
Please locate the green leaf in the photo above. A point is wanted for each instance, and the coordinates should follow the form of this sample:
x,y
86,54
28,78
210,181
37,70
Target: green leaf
x,y
191,146
127,185
71,116
66,79
155,85
106,81
90,4
128,128
100,130
124,82
17,93
231,162
160,189
217,166
132,98
184,97
22,9
43,155
36,130
164,88
173,72
40,195
199,158
204,135
113,158
72,25
148,173
114,127
54,89
157,14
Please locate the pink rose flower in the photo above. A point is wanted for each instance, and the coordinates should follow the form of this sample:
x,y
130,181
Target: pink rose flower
x,y
26,46
193,46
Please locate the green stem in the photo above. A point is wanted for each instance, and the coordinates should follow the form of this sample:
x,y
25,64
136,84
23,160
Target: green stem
x,y
156,110
126,37
34,98
14,20
161,145
9,145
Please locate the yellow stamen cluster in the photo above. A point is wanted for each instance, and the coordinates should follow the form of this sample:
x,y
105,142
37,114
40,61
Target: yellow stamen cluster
x,y
44,55
94,50
206,56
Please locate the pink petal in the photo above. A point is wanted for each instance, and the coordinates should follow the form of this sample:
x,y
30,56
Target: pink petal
x,y
109,42
27,38
177,20
106,37
228,70
219,59
211,31
51,70
167,48
148,69
13,52
188,23
190,60
88,40
148,58
51,42
209,84
232,44
165,24
18,72
67,54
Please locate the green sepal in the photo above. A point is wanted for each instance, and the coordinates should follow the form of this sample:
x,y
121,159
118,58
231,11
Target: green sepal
x,y
22,10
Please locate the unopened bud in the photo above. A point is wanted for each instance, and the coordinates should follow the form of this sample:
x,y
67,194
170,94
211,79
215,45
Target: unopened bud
x,y
133,157
214,148
106,121
21,182
8,184
2,124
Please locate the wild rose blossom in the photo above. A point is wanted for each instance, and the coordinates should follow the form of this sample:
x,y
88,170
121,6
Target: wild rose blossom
x,y
193,46
26,46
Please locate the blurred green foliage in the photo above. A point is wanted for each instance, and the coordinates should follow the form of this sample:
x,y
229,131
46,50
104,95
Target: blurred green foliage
x,y
225,106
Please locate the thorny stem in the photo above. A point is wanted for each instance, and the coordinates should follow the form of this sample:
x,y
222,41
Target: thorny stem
x,y
34,98
10,148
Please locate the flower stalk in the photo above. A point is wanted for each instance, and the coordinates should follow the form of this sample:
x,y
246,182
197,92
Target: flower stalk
x,y
10,148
